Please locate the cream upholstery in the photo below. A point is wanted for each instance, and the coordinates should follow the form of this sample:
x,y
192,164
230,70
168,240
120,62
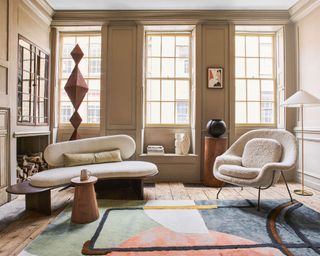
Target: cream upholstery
x,y
54,152
63,175
237,171
54,155
233,156
260,151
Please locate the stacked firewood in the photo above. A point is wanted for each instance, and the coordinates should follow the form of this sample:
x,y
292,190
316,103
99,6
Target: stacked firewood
x,y
27,165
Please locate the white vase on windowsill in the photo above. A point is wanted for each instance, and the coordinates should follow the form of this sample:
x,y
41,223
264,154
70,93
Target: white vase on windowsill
x,y
182,143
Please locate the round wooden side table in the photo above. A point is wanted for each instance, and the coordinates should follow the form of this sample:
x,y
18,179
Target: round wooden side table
x,y
85,207
213,147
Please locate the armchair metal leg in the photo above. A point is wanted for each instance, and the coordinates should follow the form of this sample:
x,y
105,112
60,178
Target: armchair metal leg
x,y
220,190
259,191
285,181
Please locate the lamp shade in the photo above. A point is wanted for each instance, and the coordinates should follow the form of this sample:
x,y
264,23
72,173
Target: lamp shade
x,y
301,98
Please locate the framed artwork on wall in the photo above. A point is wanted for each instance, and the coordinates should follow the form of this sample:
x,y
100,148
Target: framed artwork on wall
x,y
215,78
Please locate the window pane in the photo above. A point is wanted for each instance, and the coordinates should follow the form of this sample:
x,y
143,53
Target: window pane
x,y
241,93
266,46
153,67
153,90
83,66
67,67
168,45
267,90
167,113
182,67
94,67
266,67
93,112
240,46
252,46
167,93
182,112
83,42
83,111
253,90
240,67
241,112
182,51
68,44
66,111
182,90
63,94
153,112
182,40
254,112
95,46
252,68
154,44
167,67
94,90
267,112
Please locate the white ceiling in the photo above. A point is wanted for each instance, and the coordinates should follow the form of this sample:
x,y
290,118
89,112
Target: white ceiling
x,y
172,4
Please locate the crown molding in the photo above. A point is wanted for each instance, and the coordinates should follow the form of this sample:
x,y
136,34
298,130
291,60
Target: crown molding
x,y
40,8
302,8
89,17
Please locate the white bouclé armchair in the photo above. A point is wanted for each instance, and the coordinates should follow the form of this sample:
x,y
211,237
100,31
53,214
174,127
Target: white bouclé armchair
x,y
230,168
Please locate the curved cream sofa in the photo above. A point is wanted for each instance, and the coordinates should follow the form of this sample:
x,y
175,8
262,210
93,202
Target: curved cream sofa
x,y
60,175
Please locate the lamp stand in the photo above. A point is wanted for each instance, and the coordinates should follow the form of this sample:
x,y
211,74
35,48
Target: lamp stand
x,y
302,191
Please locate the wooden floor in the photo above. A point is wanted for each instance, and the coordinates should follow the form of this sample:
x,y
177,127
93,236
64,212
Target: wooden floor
x,y
18,227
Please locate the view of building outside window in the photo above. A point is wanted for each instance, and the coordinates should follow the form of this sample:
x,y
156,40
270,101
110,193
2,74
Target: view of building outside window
x,y
255,79
90,67
168,78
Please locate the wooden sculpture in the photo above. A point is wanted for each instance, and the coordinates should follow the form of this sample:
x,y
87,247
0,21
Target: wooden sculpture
x,y
76,88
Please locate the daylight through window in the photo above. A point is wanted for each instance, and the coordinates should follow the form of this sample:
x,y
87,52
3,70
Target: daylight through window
x,y
90,66
255,79
168,78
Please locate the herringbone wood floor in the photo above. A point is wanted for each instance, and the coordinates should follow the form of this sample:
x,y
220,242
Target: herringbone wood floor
x,y
18,227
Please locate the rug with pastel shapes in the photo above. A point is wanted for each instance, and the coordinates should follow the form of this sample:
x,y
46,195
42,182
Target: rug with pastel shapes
x,y
217,227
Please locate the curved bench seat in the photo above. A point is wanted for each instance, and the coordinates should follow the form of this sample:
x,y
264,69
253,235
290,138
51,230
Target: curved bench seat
x,y
62,175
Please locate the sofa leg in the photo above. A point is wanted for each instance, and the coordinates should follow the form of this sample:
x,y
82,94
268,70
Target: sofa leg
x,y
137,186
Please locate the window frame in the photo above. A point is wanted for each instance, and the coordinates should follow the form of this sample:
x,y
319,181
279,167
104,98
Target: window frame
x,y
160,78
34,102
274,79
60,78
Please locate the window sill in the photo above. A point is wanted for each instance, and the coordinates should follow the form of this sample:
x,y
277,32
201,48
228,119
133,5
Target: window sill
x,y
169,158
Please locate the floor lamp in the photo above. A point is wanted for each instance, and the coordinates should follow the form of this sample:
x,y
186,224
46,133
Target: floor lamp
x,y
300,100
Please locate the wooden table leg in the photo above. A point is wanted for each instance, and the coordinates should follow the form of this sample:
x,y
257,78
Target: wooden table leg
x,y
85,207
39,202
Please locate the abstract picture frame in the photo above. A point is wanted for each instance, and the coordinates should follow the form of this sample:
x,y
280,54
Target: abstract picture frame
x,y
215,78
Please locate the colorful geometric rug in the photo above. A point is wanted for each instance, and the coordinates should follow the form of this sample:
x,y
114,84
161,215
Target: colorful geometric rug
x,y
156,228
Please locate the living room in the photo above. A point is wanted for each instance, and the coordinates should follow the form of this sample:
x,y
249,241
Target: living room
x,y
177,112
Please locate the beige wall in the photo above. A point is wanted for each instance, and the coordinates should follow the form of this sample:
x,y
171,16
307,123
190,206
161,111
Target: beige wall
x,y
30,19
122,78
308,49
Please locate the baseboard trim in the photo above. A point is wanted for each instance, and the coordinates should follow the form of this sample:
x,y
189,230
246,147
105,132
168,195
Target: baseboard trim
x,y
309,180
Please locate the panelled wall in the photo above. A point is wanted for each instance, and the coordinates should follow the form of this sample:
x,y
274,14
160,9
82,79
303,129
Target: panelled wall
x,y
308,50
124,90
30,19
5,79
122,79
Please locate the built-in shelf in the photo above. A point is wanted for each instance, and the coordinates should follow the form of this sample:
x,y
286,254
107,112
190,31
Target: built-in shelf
x,y
169,155
30,133
170,158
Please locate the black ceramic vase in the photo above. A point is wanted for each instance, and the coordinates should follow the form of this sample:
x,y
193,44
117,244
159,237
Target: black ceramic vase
x,y
216,127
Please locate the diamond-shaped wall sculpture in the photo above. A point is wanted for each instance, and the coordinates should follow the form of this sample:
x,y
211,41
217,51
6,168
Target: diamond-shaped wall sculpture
x,y
76,88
